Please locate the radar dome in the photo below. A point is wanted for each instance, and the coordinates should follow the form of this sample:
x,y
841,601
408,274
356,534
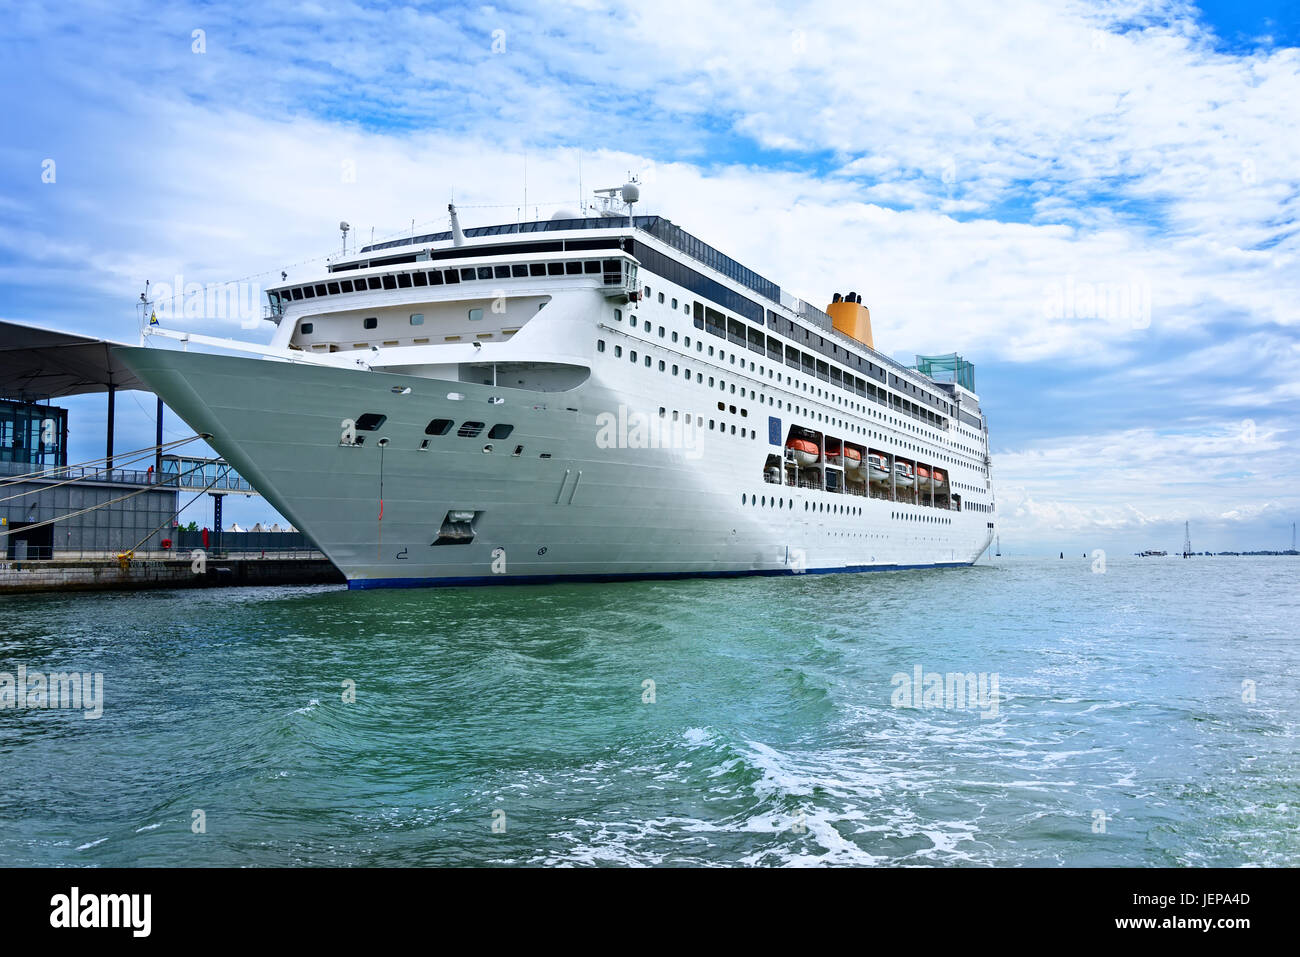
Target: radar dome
x,y
631,193
564,214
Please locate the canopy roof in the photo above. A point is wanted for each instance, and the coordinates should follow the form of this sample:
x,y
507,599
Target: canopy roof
x,y
37,363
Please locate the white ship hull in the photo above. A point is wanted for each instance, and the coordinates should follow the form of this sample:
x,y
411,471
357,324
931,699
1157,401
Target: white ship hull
x,y
584,513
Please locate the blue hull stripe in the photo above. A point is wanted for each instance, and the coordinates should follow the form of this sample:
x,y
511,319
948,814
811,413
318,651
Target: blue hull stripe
x,y
361,583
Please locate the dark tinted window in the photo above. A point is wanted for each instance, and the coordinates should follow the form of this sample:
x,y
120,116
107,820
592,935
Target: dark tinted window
x,y
370,322
438,427
501,431
370,421
468,430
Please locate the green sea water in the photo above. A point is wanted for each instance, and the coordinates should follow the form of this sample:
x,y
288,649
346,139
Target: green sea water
x,y
1146,715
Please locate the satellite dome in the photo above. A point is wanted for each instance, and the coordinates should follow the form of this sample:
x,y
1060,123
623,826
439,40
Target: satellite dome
x,y
631,193
564,214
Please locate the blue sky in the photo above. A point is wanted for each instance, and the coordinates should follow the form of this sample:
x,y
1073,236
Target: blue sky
x,y
1095,203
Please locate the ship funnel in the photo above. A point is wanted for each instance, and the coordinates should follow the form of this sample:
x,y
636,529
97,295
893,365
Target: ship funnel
x,y
457,237
852,318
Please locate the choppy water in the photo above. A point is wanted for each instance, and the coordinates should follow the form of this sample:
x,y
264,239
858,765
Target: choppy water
x,y
771,739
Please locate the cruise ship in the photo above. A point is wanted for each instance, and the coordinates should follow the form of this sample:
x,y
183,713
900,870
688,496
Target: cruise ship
x,y
587,397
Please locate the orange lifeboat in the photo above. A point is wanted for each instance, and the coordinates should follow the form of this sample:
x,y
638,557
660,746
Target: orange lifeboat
x,y
846,457
922,477
804,451
853,462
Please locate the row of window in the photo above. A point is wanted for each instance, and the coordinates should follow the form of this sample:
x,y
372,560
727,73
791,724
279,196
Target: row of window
x,y
373,421
372,322
928,519
611,270
772,501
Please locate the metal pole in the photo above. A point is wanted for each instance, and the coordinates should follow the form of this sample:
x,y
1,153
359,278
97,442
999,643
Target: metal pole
x,y
216,521
108,456
157,459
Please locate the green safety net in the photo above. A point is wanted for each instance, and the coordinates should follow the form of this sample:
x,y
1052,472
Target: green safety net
x,y
950,368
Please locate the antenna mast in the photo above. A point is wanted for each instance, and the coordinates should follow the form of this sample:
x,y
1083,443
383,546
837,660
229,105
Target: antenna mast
x,y
1187,539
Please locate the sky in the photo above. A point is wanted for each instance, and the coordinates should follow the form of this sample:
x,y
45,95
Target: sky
x,y
1096,203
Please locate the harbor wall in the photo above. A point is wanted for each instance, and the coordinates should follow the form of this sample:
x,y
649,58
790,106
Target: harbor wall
x,y
109,574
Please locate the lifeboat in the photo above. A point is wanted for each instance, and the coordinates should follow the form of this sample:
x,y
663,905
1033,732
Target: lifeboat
x,y
845,458
903,476
879,467
853,462
805,452
939,479
923,478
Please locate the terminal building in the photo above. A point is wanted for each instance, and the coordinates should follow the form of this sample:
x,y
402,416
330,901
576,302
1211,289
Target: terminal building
x,y
50,508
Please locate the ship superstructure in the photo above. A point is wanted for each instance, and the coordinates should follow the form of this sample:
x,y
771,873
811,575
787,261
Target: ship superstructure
x,y
587,398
